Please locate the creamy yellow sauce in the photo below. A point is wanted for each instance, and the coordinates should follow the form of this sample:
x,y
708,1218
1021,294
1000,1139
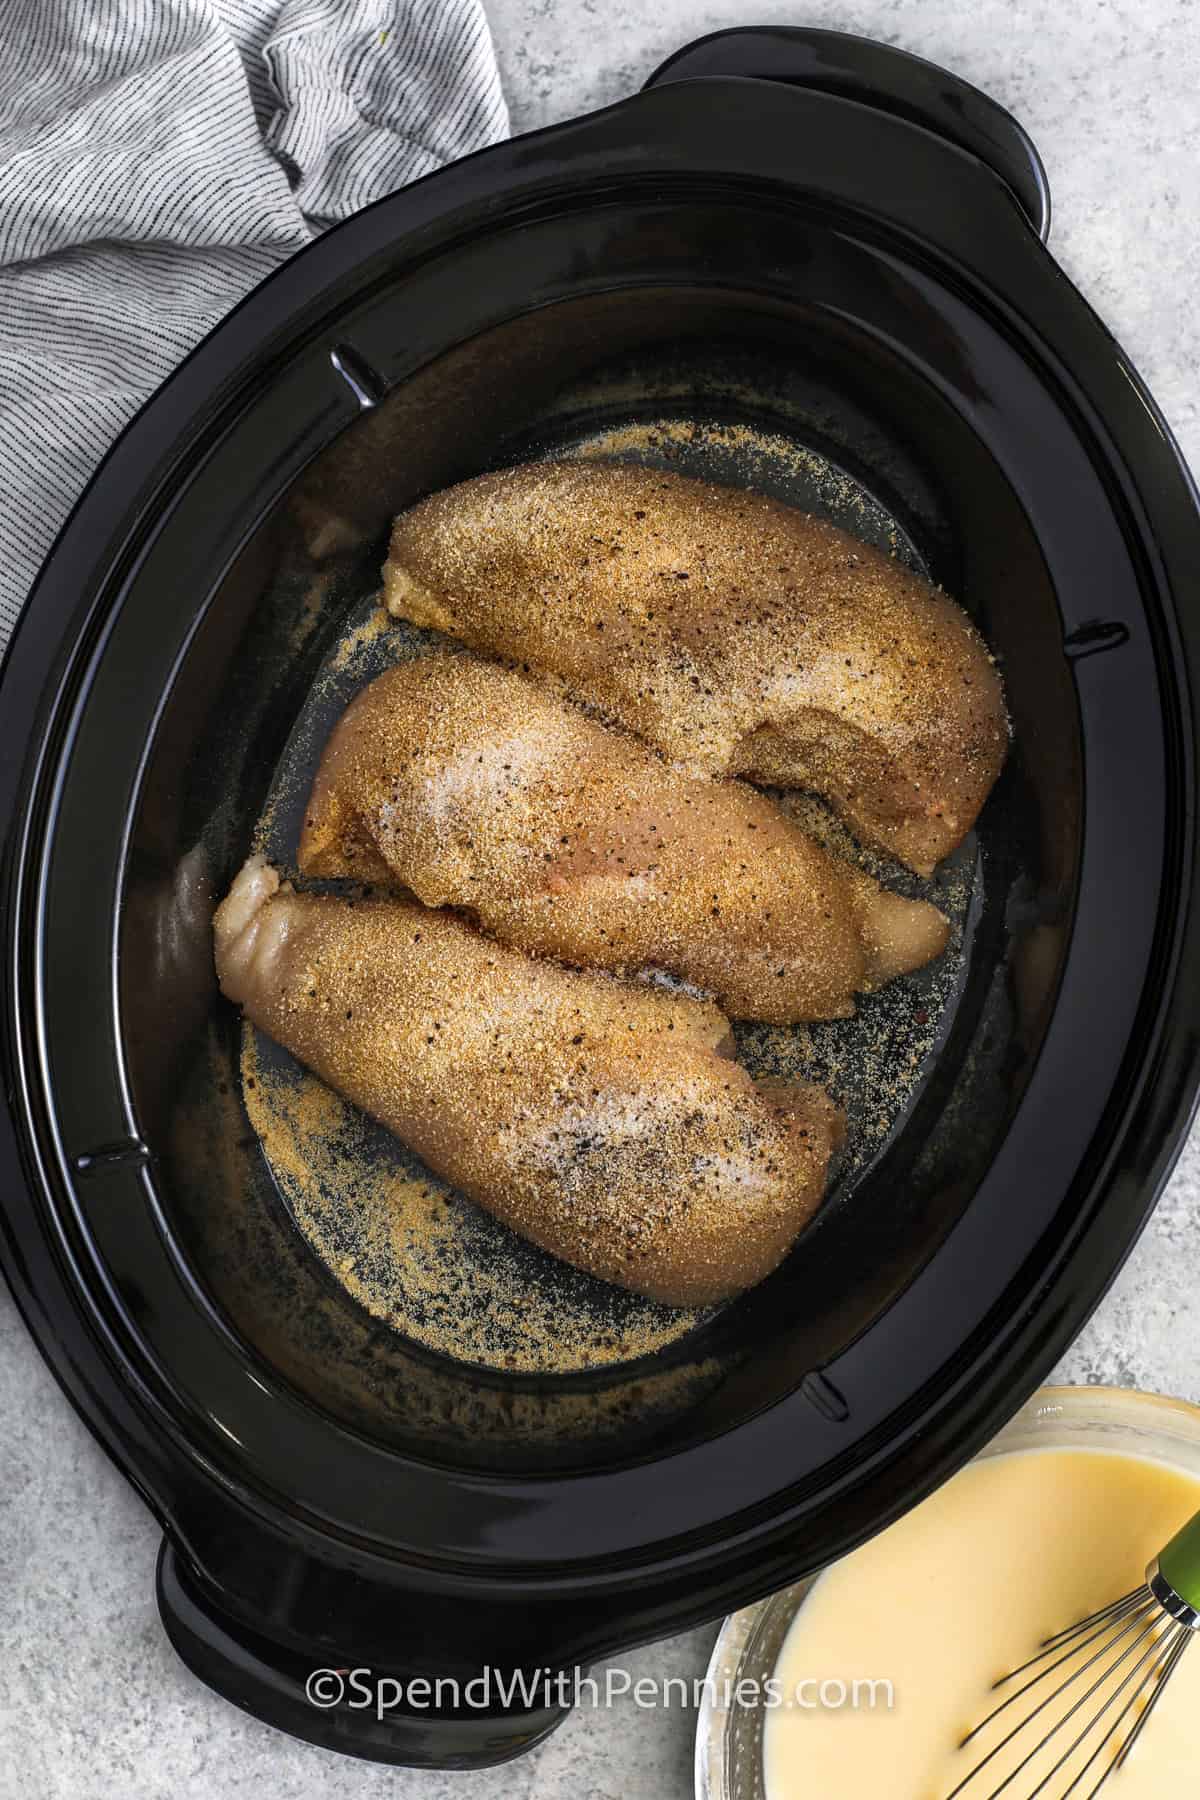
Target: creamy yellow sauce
x,y
964,1588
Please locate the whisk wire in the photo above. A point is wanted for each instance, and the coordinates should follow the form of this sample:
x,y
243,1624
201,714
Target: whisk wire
x,y
1149,1657
1137,1597
1183,1637
1139,1623
1157,1644
1106,1676
1106,1739
1145,1606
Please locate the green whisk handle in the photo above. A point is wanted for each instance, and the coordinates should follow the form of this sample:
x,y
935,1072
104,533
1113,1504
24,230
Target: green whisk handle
x,y
1179,1563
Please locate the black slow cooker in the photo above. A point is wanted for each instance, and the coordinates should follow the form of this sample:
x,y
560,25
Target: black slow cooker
x,y
792,229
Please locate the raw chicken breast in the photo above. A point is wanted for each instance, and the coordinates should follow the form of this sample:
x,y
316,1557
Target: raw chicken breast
x,y
596,1117
738,635
475,786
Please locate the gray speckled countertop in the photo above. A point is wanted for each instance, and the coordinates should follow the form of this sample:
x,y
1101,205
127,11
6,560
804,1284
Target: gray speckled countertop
x,y
92,1701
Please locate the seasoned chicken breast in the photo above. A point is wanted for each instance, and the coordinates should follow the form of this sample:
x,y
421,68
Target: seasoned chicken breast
x,y
596,1117
738,635
475,786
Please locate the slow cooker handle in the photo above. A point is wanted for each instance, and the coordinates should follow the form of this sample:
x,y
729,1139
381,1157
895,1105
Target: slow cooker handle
x,y
349,1709
878,75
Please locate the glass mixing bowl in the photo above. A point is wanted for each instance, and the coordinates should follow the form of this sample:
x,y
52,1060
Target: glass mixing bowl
x,y
729,1736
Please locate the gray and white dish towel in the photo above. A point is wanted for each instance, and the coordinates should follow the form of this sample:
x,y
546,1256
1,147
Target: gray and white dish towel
x,y
160,157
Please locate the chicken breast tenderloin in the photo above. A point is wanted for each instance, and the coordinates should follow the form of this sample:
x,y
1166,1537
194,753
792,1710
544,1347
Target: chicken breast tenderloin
x,y
738,635
596,1117
474,786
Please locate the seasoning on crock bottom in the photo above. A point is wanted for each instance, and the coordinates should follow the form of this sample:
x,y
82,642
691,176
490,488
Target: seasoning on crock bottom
x,y
961,1590
597,1117
475,786
738,635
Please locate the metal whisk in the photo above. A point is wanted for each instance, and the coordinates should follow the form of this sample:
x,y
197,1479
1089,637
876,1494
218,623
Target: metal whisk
x,y
1122,1656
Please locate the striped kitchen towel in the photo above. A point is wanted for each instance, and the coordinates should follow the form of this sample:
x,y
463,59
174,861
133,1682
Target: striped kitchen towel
x,y
157,159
